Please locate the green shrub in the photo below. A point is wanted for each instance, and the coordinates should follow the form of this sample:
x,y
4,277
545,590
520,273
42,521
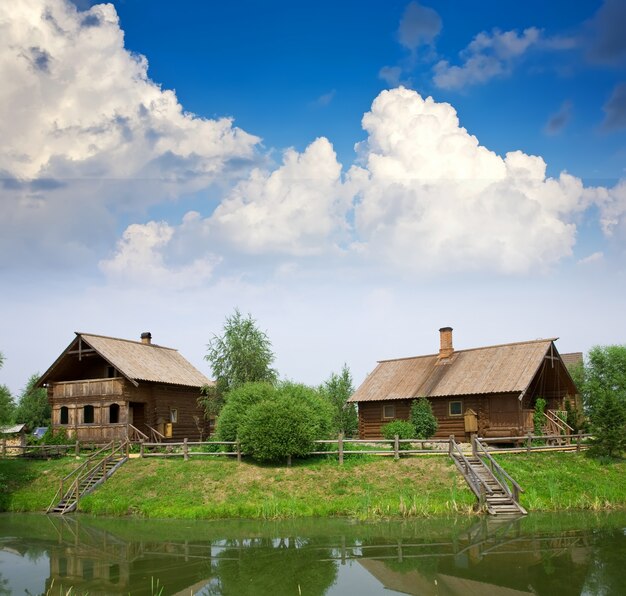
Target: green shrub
x,y
403,428
539,419
277,428
608,424
58,437
423,419
238,404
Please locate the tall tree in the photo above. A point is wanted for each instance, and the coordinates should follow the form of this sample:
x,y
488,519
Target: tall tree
x,y
604,394
33,408
241,354
338,388
7,406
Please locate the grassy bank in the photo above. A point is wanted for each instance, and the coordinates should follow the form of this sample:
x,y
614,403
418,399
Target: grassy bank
x,y
563,481
364,488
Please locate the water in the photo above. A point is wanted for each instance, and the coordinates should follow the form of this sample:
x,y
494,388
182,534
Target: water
x,y
539,554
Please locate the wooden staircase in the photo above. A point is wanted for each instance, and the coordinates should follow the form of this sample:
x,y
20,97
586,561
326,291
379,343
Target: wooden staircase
x,y
555,428
487,480
86,477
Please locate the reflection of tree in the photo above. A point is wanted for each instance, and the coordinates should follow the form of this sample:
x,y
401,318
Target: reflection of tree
x,y
607,572
273,566
4,589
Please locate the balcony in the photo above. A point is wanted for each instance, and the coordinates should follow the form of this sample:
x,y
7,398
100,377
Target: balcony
x,y
88,388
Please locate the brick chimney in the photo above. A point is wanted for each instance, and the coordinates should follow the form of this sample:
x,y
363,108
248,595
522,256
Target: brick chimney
x,y
146,337
445,342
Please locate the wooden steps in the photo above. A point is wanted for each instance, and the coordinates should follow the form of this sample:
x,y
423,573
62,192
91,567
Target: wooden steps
x,y
497,498
87,477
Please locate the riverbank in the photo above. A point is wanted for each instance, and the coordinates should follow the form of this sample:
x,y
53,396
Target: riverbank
x,y
365,487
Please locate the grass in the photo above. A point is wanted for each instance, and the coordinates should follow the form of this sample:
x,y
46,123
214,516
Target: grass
x,y
365,487
567,481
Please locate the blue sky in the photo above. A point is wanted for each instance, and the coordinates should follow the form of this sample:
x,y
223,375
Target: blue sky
x,y
165,162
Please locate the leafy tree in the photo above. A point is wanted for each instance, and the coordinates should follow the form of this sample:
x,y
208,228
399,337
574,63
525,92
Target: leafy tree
x,y
7,406
337,389
403,428
33,408
237,407
539,419
1,359
423,419
604,395
242,354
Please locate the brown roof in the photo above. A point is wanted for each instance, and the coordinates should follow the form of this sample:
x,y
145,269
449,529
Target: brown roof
x,y
572,359
507,368
140,362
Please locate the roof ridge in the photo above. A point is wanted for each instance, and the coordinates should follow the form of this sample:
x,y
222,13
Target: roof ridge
x,y
515,343
130,341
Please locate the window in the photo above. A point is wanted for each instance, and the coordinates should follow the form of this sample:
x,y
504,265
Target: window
x,y
455,408
88,414
64,415
111,372
389,411
173,415
114,413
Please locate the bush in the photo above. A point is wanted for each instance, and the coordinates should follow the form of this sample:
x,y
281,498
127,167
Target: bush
x,y
403,428
238,404
278,428
268,420
423,419
608,424
539,420
57,438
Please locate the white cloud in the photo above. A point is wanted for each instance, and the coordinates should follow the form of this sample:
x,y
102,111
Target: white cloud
x,y
298,209
612,205
433,199
487,56
140,258
86,132
595,257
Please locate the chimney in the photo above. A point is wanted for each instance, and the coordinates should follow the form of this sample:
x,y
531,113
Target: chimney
x,y
146,337
445,342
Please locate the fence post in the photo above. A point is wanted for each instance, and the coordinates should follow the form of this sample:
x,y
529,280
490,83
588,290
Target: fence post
x,y
396,447
529,441
473,445
185,450
451,443
141,448
578,438
127,448
77,449
238,451
289,461
340,448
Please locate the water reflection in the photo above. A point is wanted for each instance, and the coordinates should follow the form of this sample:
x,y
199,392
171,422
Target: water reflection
x,y
564,554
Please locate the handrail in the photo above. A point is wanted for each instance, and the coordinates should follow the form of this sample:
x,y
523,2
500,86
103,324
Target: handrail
x,y
557,420
496,468
155,434
473,479
142,436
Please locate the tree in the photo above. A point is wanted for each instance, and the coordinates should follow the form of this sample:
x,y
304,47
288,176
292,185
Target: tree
x,y
604,394
423,419
242,354
33,408
7,406
337,389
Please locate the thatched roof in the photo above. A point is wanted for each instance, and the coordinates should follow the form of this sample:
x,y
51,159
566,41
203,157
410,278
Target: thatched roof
x,y
572,359
134,360
507,368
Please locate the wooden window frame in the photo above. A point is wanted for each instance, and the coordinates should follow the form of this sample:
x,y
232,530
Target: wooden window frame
x,y
118,410
93,414
64,410
174,415
456,401
393,406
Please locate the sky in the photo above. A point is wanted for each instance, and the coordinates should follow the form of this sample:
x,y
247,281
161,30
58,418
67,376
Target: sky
x,y
355,175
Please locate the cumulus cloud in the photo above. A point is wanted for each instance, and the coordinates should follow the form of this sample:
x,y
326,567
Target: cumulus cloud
x,y
299,208
495,54
433,199
419,26
612,205
142,254
76,106
615,109
559,120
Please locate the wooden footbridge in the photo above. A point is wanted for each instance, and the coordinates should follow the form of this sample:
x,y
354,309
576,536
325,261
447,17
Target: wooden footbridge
x,y
86,477
496,491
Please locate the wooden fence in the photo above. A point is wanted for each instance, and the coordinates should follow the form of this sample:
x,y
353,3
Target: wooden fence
x,y
339,447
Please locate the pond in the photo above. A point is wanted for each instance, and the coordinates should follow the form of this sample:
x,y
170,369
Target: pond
x,y
538,554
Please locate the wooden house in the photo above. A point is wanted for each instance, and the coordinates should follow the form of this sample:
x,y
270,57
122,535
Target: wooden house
x,y
490,391
103,388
